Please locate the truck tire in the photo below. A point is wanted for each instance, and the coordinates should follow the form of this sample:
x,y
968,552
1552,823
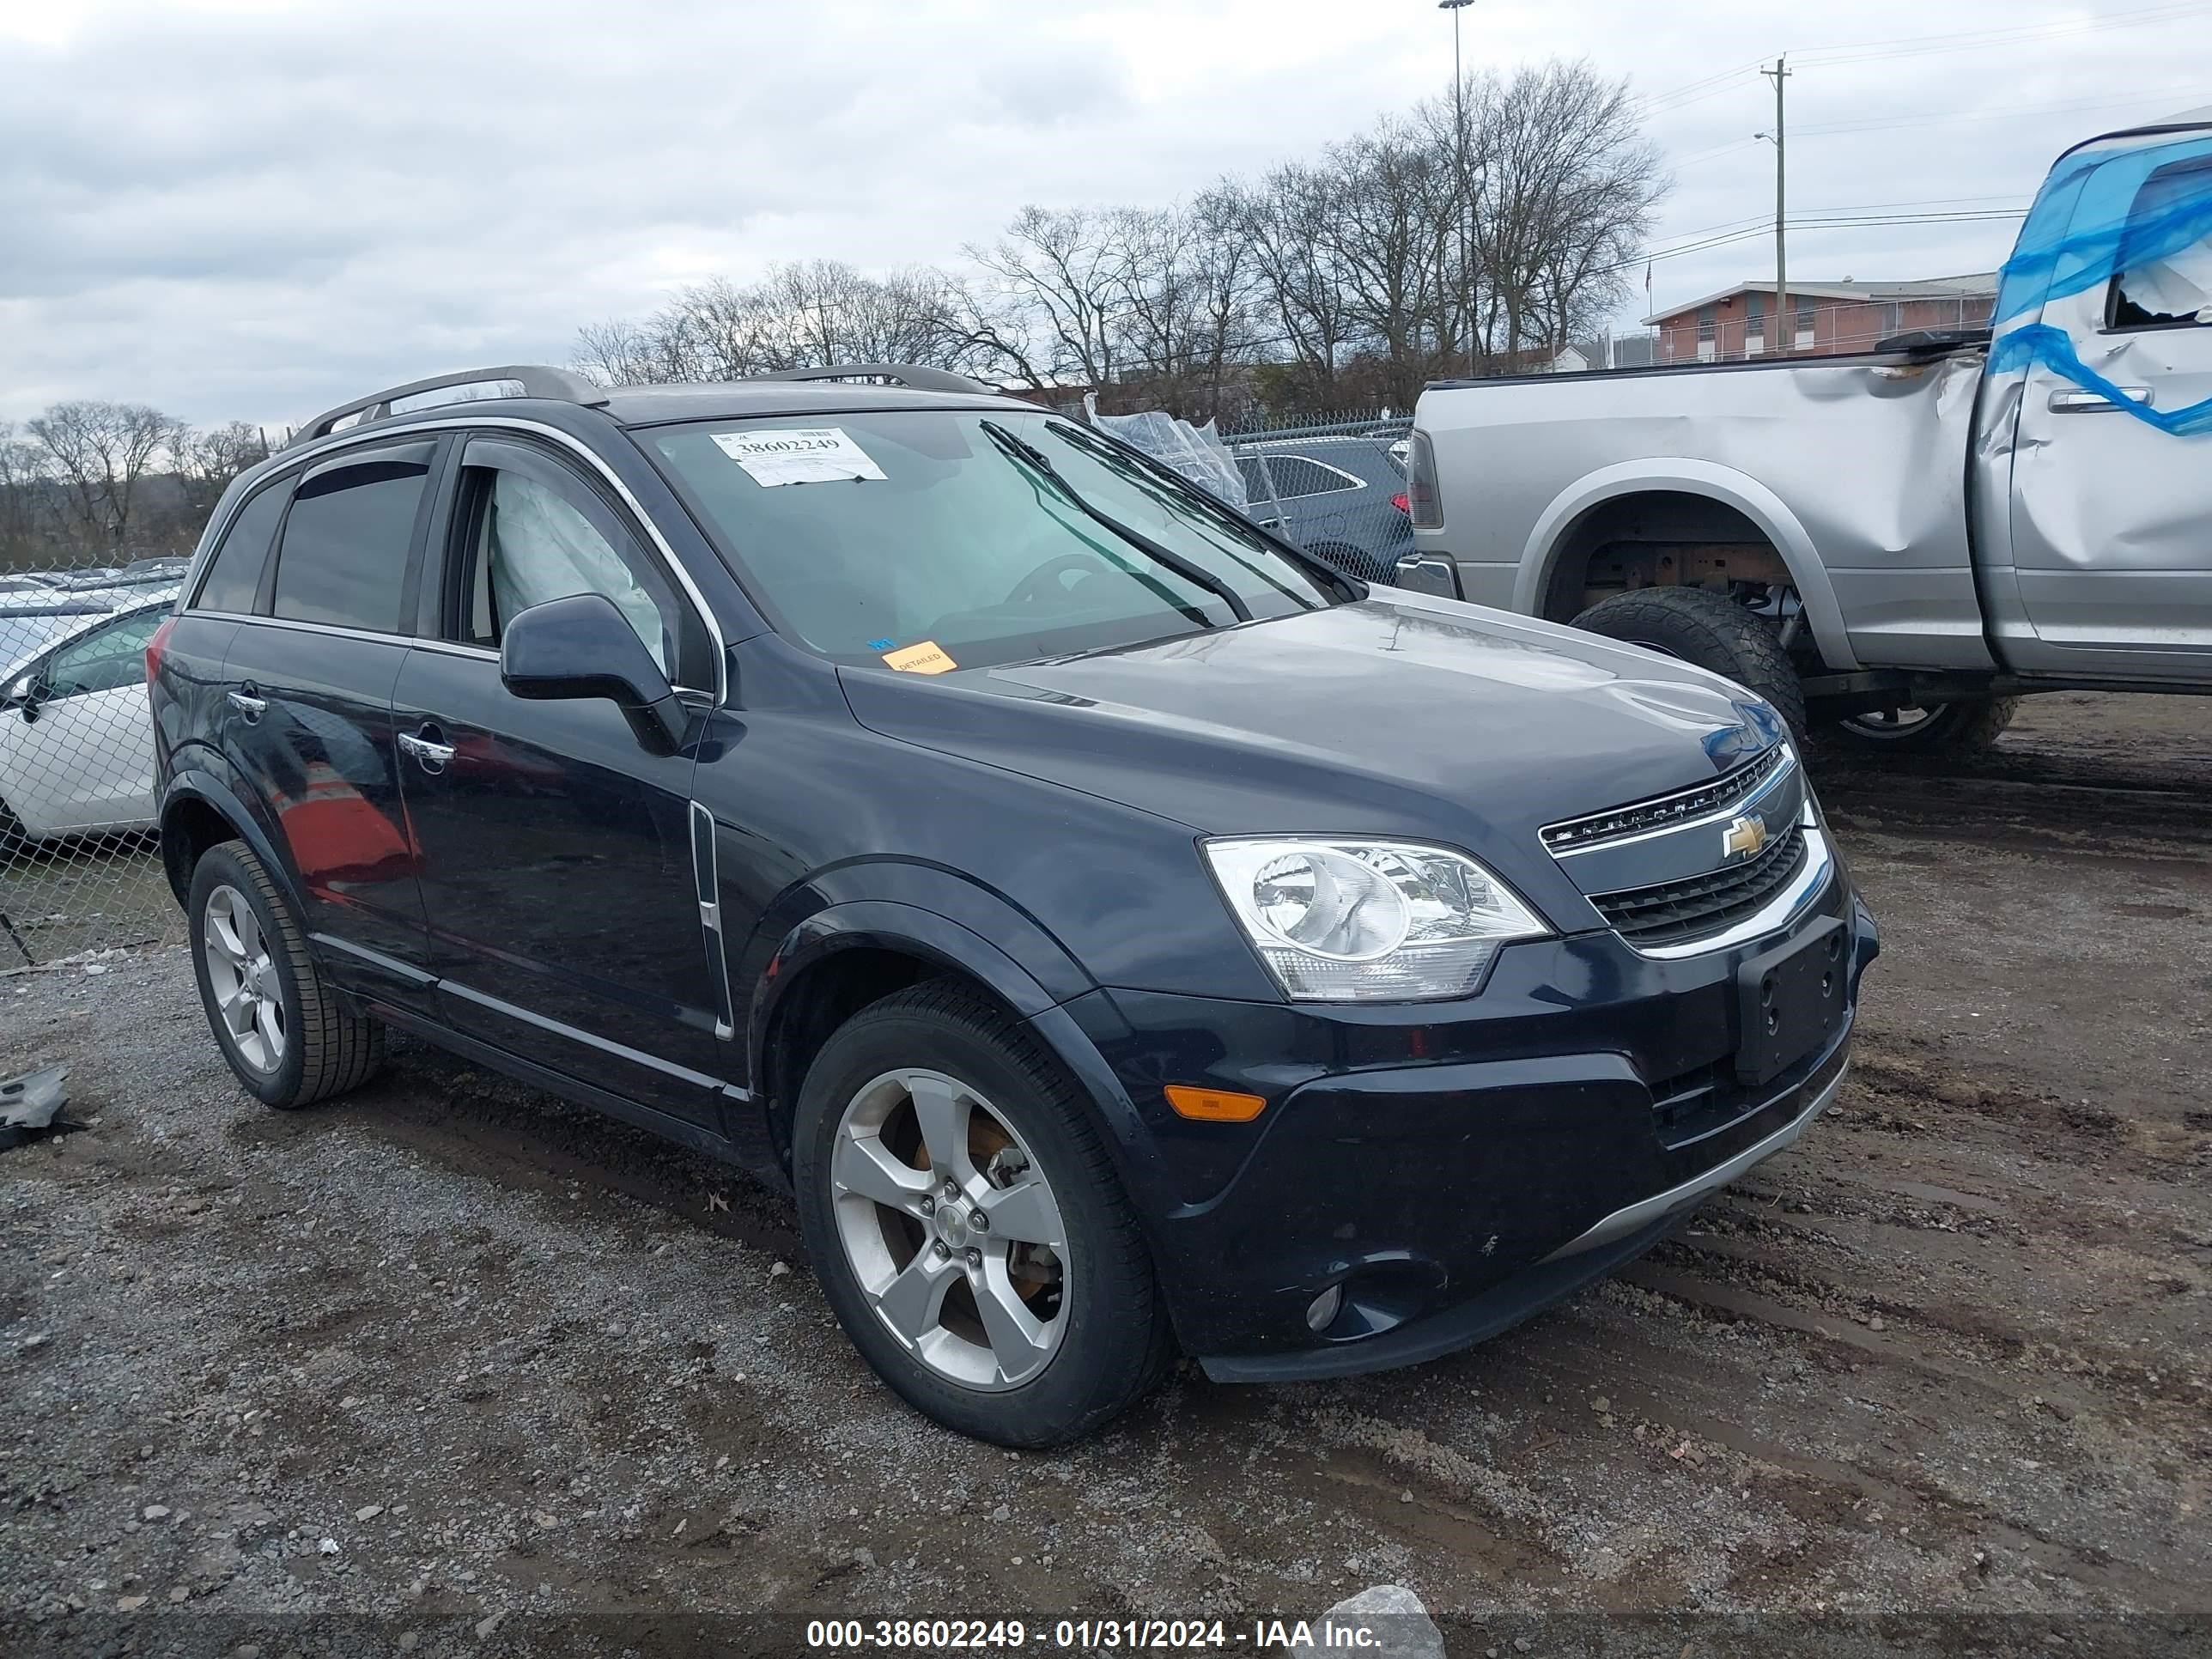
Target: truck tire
x,y
1953,729
1710,630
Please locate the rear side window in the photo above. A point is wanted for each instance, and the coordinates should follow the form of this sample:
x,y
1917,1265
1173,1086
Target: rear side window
x,y
346,541
1296,476
234,578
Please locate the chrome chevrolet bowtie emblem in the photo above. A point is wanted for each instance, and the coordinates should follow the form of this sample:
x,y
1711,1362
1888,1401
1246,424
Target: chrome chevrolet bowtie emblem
x,y
1744,837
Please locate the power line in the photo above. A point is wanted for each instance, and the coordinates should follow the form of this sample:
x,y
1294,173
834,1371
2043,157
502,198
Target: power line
x,y
1860,52
1885,123
1984,40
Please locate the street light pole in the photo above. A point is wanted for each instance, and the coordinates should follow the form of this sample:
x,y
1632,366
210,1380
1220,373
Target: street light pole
x,y
1466,187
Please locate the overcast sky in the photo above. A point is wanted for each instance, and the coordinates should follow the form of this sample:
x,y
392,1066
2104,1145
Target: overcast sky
x,y
241,208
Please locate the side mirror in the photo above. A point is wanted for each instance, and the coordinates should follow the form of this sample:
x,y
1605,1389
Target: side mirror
x,y
582,647
26,691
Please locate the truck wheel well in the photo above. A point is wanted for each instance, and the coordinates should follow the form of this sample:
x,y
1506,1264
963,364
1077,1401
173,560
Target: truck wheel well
x,y
827,994
1657,539
189,828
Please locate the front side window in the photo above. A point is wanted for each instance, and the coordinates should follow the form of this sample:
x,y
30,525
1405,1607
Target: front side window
x,y
2165,275
872,534
532,538
234,578
111,656
343,561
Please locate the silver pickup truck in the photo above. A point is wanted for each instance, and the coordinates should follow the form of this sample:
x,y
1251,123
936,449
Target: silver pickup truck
x,y
1892,546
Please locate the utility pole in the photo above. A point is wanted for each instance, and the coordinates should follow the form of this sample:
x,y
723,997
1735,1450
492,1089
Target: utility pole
x,y
1466,188
1784,328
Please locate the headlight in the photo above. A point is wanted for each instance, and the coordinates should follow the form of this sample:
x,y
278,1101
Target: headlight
x,y
1367,920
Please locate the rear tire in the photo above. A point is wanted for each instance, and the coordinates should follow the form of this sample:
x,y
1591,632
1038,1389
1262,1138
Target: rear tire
x,y
1710,630
1004,1339
279,1023
13,840
1955,730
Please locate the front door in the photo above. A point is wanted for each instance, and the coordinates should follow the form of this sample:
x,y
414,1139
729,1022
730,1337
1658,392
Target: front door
x,y
77,755
555,851
2111,484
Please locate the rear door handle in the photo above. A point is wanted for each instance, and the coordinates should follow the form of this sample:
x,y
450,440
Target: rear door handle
x,y
2095,402
248,704
431,756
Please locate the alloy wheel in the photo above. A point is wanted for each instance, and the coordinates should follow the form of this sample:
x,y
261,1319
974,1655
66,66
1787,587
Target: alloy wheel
x,y
244,979
1888,725
951,1229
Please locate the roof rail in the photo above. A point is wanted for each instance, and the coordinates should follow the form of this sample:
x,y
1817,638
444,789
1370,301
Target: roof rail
x,y
913,375
556,385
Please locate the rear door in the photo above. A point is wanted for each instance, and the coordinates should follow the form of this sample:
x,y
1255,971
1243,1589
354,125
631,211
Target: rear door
x,y
307,716
81,757
556,867
2112,495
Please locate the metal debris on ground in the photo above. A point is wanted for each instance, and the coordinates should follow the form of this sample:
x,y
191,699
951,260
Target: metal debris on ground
x,y
30,1104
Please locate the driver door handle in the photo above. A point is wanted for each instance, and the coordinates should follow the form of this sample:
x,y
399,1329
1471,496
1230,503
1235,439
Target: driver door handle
x,y
431,755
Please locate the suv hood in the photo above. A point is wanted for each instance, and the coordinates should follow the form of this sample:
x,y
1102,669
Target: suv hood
x,y
1421,718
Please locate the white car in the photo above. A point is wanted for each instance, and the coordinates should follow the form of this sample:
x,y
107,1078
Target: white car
x,y
76,741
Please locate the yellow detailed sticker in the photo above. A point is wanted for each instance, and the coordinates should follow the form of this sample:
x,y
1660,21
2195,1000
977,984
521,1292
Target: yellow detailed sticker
x,y
927,657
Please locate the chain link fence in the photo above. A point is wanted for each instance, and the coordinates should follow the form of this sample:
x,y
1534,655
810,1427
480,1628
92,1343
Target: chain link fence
x,y
1334,486
80,871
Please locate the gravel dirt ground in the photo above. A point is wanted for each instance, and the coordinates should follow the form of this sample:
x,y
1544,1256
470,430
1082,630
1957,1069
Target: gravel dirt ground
x,y
452,1366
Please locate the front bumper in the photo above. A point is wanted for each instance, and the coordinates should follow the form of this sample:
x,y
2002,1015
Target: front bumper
x,y
1453,1167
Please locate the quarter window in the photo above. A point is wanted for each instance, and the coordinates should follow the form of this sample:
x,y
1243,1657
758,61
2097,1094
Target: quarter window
x,y
234,578
346,543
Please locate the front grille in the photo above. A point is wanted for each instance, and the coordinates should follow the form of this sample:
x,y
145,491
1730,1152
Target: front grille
x,y
1674,911
1661,811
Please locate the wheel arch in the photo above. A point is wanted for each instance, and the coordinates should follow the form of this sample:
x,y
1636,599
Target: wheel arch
x,y
200,811
840,958
1554,536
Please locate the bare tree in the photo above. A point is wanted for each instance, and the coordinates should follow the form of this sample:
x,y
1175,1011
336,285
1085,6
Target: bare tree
x,y
1069,267
206,462
97,454
23,484
1490,224
1564,197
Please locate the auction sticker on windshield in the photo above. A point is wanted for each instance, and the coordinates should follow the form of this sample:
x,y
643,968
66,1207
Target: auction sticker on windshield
x,y
789,455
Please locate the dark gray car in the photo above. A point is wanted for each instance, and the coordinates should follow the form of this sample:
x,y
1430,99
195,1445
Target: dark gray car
x,y
1339,496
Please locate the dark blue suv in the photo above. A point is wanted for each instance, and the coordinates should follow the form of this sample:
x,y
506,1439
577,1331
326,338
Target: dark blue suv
x,y
1124,932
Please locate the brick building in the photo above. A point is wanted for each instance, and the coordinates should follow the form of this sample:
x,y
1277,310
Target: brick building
x,y
1824,318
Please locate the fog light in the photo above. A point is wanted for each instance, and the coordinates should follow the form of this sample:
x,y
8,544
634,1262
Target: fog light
x,y
1321,1312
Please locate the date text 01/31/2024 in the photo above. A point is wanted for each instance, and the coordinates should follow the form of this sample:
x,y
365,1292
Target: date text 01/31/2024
x,y
1091,1635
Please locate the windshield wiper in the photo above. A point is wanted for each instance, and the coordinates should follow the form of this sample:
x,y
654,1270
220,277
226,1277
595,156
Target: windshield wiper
x,y
1020,450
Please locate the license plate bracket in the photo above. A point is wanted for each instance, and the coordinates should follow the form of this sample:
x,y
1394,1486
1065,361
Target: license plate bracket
x,y
1789,999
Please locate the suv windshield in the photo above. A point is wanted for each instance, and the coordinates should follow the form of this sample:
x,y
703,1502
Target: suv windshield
x,y
993,536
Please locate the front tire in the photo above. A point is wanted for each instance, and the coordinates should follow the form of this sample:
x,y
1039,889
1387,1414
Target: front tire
x,y
1954,729
1029,1326
277,1020
1710,630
